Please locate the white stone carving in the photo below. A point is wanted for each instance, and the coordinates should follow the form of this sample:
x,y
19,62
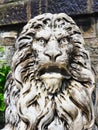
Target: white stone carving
x,y
51,83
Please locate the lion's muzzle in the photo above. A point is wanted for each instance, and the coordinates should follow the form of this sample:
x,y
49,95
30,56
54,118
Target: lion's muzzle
x,y
52,75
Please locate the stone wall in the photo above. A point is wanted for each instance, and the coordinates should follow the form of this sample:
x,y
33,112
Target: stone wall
x,y
14,14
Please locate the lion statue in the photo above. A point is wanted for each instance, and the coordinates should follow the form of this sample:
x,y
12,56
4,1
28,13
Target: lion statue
x,y
51,82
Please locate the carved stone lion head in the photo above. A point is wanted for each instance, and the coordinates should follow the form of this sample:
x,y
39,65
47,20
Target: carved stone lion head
x,y
51,84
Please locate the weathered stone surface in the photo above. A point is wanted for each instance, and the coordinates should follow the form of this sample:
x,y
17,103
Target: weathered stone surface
x,y
92,46
8,38
97,27
56,6
95,6
52,82
71,7
9,51
87,26
38,7
7,55
13,13
7,1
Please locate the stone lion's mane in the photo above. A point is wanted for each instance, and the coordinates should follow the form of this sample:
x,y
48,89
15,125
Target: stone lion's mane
x,y
23,89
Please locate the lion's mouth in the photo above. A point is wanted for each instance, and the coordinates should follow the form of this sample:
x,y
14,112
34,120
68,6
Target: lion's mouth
x,y
55,71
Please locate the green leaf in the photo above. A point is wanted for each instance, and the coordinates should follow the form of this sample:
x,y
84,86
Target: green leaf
x,y
2,74
4,70
2,48
2,105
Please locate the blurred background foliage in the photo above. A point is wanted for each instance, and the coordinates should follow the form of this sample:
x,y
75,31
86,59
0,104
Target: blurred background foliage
x,y
4,70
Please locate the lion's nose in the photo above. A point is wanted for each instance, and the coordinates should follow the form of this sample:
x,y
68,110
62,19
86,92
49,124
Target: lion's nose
x,y
53,53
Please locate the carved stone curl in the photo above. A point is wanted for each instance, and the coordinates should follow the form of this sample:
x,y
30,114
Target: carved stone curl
x,y
51,83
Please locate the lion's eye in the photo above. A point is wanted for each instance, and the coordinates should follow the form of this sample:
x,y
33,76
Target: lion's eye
x,y
42,41
63,40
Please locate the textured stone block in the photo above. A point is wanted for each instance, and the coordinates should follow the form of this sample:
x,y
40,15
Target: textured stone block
x,y
87,26
38,7
13,13
95,6
71,7
9,51
16,11
35,9
92,47
8,34
7,54
8,38
97,26
7,1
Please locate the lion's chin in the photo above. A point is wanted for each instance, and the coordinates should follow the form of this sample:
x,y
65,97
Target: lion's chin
x,y
52,81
